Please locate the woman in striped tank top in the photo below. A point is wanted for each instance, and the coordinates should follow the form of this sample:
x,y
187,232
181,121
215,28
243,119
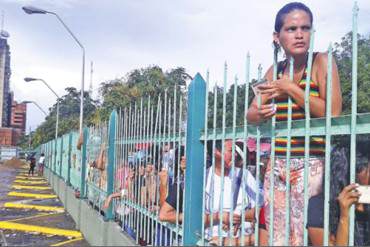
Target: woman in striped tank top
x,y
293,25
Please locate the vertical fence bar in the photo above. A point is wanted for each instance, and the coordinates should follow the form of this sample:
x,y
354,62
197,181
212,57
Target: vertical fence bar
x,y
272,163
258,136
147,144
179,164
244,168
111,160
211,198
231,230
163,143
194,156
221,208
68,180
83,162
205,157
353,117
157,134
327,146
61,157
150,229
307,137
288,152
137,195
130,139
126,167
170,169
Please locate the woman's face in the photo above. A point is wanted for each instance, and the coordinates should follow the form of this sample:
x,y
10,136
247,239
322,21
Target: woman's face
x,y
294,35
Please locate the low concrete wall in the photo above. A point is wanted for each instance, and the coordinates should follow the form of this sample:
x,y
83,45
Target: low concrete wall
x,y
95,230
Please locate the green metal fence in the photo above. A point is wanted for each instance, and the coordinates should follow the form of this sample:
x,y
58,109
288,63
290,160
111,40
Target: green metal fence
x,y
136,157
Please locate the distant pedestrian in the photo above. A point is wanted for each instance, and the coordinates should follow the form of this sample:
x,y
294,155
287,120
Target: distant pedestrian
x,y
32,166
41,164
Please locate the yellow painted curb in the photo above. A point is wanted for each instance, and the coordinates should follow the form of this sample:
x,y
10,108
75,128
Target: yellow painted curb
x,y
67,242
30,187
37,207
41,229
31,217
37,196
29,178
22,181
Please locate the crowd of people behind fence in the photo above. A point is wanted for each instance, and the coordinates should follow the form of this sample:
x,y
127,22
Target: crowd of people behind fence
x,y
154,178
150,177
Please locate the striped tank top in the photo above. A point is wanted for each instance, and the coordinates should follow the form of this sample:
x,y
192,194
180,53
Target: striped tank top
x,y
317,143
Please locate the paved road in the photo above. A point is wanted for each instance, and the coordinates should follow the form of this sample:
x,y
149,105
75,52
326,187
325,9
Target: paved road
x,y
30,212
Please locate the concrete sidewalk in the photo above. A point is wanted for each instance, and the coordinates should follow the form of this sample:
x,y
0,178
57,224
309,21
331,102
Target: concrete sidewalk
x,y
30,212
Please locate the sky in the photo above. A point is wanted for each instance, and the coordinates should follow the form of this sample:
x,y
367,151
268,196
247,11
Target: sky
x,y
122,35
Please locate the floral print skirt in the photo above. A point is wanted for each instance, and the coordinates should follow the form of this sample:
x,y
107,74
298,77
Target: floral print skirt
x,y
296,211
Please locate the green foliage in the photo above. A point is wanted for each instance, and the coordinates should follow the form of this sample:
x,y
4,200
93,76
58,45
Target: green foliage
x,y
229,107
343,55
69,112
140,84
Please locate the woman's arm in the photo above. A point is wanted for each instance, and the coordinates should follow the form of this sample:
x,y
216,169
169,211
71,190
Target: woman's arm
x,y
346,199
109,199
168,214
317,104
266,111
163,181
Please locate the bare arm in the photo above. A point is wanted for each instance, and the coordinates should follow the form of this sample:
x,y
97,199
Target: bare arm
x,y
346,199
168,214
109,199
255,115
163,180
317,104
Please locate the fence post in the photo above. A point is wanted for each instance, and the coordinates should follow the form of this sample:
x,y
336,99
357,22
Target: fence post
x,y
68,179
55,143
111,159
195,161
61,158
83,163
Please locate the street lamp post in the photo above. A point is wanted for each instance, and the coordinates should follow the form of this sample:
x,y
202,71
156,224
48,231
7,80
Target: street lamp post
x,y
33,10
34,102
29,79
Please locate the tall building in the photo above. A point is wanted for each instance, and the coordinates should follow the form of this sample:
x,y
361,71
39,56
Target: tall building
x,y
18,116
5,95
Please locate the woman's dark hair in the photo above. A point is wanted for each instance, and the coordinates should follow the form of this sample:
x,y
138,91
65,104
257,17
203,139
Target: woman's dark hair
x,y
279,20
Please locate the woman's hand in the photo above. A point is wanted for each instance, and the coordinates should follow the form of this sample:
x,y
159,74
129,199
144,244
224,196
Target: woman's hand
x,y
347,197
278,88
266,111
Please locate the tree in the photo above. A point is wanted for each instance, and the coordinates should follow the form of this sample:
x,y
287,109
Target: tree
x,y
343,55
69,112
140,84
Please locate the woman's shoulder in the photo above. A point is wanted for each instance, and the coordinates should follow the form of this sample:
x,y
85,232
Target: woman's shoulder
x,y
269,73
321,59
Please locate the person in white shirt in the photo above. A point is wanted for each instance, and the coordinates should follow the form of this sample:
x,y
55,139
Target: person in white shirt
x,y
220,202
41,164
